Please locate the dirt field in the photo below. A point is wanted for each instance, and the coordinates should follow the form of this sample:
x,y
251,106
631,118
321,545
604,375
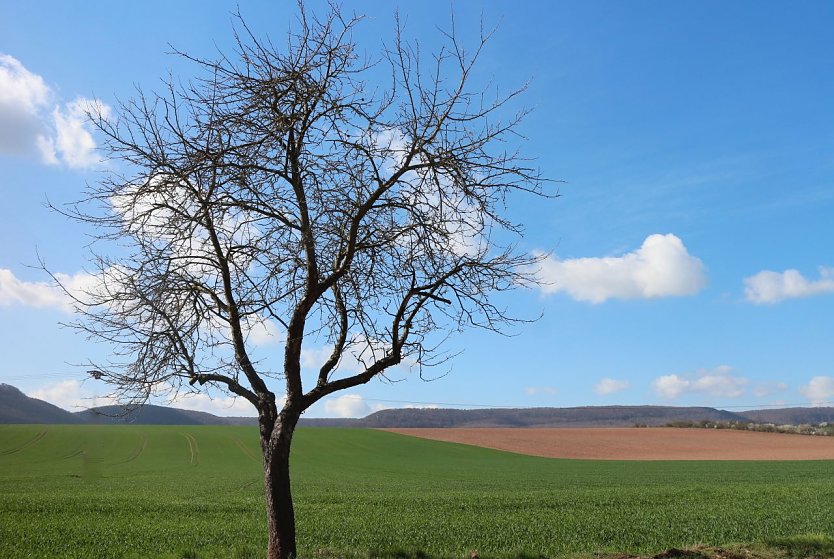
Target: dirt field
x,y
639,444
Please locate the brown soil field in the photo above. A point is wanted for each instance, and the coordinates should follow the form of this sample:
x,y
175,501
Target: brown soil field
x,y
639,443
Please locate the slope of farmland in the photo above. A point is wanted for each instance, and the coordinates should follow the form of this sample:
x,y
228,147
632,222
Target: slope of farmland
x,y
639,444
195,491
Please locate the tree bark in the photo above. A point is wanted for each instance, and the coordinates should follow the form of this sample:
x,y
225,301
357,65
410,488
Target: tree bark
x,y
279,507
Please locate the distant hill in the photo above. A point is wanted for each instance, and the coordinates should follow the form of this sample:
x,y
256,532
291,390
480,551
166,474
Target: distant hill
x,y
147,415
587,416
17,407
331,422
793,416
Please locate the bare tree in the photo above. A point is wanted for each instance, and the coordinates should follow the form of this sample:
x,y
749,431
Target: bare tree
x,y
281,188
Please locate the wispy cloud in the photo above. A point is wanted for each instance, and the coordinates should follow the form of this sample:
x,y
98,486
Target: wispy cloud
x,y
661,267
718,382
215,404
769,287
359,353
541,390
34,121
70,395
39,294
610,386
769,388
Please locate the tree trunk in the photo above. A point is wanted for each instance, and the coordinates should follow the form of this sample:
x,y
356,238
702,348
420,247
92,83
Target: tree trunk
x,y
279,508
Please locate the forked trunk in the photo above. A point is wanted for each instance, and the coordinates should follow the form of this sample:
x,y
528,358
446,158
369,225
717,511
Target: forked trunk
x,y
279,508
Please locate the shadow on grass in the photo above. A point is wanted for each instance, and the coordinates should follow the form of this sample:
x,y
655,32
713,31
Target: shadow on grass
x,y
806,545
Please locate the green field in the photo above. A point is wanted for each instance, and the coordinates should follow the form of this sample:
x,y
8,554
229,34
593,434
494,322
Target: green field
x,y
140,491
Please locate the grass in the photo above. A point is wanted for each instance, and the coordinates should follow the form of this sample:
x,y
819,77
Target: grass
x,y
806,545
196,492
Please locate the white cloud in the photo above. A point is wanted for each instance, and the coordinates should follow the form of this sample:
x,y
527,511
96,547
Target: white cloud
x,y
359,354
661,267
541,390
820,390
32,120
73,396
217,405
762,389
354,405
772,287
20,88
70,395
718,382
14,291
263,332
460,229
23,97
610,386
72,142
349,405
670,386
314,357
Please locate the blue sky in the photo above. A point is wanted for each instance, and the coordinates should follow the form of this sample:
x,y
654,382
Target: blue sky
x,y
691,247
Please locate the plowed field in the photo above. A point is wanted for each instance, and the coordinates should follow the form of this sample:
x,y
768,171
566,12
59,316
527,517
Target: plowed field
x,y
639,444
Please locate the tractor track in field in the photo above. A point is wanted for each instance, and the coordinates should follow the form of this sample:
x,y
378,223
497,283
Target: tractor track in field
x,y
193,449
73,454
24,445
137,450
246,450
248,484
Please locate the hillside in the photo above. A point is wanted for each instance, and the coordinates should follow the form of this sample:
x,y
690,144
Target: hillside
x,y
17,407
150,415
793,416
586,416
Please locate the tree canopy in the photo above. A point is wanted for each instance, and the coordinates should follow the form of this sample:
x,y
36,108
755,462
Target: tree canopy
x,y
286,188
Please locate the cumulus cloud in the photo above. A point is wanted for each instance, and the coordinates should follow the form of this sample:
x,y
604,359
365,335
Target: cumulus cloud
x,y
354,405
263,332
314,357
360,353
820,390
71,141
14,291
33,120
541,390
718,382
23,96
661,267
217,405
769,287
610,386
70,395
350,405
